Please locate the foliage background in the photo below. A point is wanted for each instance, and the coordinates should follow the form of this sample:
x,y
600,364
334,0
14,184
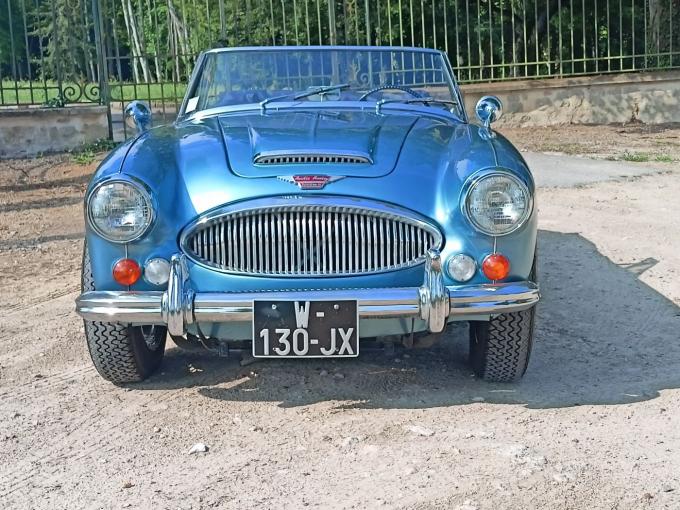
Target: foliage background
x,y
156,41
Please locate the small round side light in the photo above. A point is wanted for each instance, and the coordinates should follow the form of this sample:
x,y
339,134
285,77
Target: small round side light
x,y
157,271
496,267
127,272
461,267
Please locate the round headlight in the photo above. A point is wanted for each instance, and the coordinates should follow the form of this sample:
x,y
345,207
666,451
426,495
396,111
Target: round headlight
x,y
120,211
498,204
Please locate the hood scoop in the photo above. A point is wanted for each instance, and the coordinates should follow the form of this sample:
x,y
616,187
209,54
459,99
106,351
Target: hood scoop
x,y
297,142
313,157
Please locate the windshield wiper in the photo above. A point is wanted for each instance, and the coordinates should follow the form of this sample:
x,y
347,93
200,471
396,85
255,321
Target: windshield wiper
x,y
302,95
424,100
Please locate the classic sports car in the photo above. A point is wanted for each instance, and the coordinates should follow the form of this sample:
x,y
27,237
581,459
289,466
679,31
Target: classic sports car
x,y
306,200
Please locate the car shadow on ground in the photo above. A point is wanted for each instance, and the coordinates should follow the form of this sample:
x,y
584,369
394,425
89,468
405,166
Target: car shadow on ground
x,y
603,337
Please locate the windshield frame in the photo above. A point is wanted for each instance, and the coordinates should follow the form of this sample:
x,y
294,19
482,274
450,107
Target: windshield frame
x,y
196,74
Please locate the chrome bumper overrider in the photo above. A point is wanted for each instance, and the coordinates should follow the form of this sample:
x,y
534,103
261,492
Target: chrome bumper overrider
x,y
180,305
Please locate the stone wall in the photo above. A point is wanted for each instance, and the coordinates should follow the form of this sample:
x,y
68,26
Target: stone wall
x,y
651,98
31,131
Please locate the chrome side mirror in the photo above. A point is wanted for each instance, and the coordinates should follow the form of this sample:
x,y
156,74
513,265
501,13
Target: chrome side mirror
x,y
138,115
489,109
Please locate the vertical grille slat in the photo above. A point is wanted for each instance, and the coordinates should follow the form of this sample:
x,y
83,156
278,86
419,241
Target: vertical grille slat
x,y
279,244
284,244
222,245
241,246
323,241
355,268
336,243
234,241
267,243
247,245
381,237
374,244
401,243
350,255
390,259
369,243
343,243
362,243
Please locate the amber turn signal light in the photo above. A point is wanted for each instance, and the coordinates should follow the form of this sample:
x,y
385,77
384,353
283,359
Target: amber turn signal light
x,y
126,272
496,267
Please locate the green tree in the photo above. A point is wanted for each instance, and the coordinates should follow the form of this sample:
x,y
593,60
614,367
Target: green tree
x,y
66,48
13,61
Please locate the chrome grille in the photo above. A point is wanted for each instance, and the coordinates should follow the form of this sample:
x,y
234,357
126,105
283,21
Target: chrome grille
x,y
310,241
288,158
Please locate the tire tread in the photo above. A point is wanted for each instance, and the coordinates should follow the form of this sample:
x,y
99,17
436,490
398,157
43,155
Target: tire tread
x,y
506,352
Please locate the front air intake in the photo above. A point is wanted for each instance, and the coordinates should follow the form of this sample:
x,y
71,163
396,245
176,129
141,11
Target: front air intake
x,y
306,157
310,240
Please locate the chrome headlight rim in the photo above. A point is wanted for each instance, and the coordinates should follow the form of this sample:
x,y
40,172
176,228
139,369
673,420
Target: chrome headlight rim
x,y
143,191
474,180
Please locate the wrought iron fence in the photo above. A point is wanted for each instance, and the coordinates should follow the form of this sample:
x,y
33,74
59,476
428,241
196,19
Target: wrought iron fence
x,y
58,52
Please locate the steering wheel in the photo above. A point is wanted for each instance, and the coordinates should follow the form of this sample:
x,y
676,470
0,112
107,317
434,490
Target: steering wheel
x,y
390,87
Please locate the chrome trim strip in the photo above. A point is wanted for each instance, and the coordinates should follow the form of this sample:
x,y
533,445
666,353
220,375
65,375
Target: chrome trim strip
x,y
121,306
332,213
179,305
389,49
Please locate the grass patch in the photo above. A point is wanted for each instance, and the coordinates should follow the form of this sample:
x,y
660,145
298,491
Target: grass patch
x,y
567,148
635,157
44,92
643,157
664,158
147,92
87,153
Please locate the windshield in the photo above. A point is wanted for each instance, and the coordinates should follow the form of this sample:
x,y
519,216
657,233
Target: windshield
x,y
234,77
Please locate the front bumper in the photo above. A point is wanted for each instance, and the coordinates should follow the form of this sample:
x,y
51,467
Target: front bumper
x,y
180,306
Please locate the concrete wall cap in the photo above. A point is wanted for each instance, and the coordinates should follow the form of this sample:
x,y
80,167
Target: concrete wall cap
x,y
20,111
582,81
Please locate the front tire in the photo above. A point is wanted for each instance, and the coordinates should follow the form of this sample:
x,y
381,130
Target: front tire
x,y
121,354
500,348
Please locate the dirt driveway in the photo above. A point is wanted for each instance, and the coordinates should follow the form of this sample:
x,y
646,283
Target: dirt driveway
x,y
595,423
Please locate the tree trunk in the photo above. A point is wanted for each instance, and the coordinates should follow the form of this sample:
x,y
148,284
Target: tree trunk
x,y
133,64
87,43
659,32
179,31
156,60
136,45
116,46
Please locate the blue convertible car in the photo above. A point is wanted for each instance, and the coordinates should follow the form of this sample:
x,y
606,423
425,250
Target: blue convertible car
x,y
305,200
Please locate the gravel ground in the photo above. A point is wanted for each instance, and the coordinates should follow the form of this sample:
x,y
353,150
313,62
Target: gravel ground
x,y
594,424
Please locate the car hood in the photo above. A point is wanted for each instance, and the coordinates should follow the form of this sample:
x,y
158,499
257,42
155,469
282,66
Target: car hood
x,y
347,143
191,166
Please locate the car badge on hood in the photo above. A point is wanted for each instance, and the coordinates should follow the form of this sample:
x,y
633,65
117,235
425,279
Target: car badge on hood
x,y
311,181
